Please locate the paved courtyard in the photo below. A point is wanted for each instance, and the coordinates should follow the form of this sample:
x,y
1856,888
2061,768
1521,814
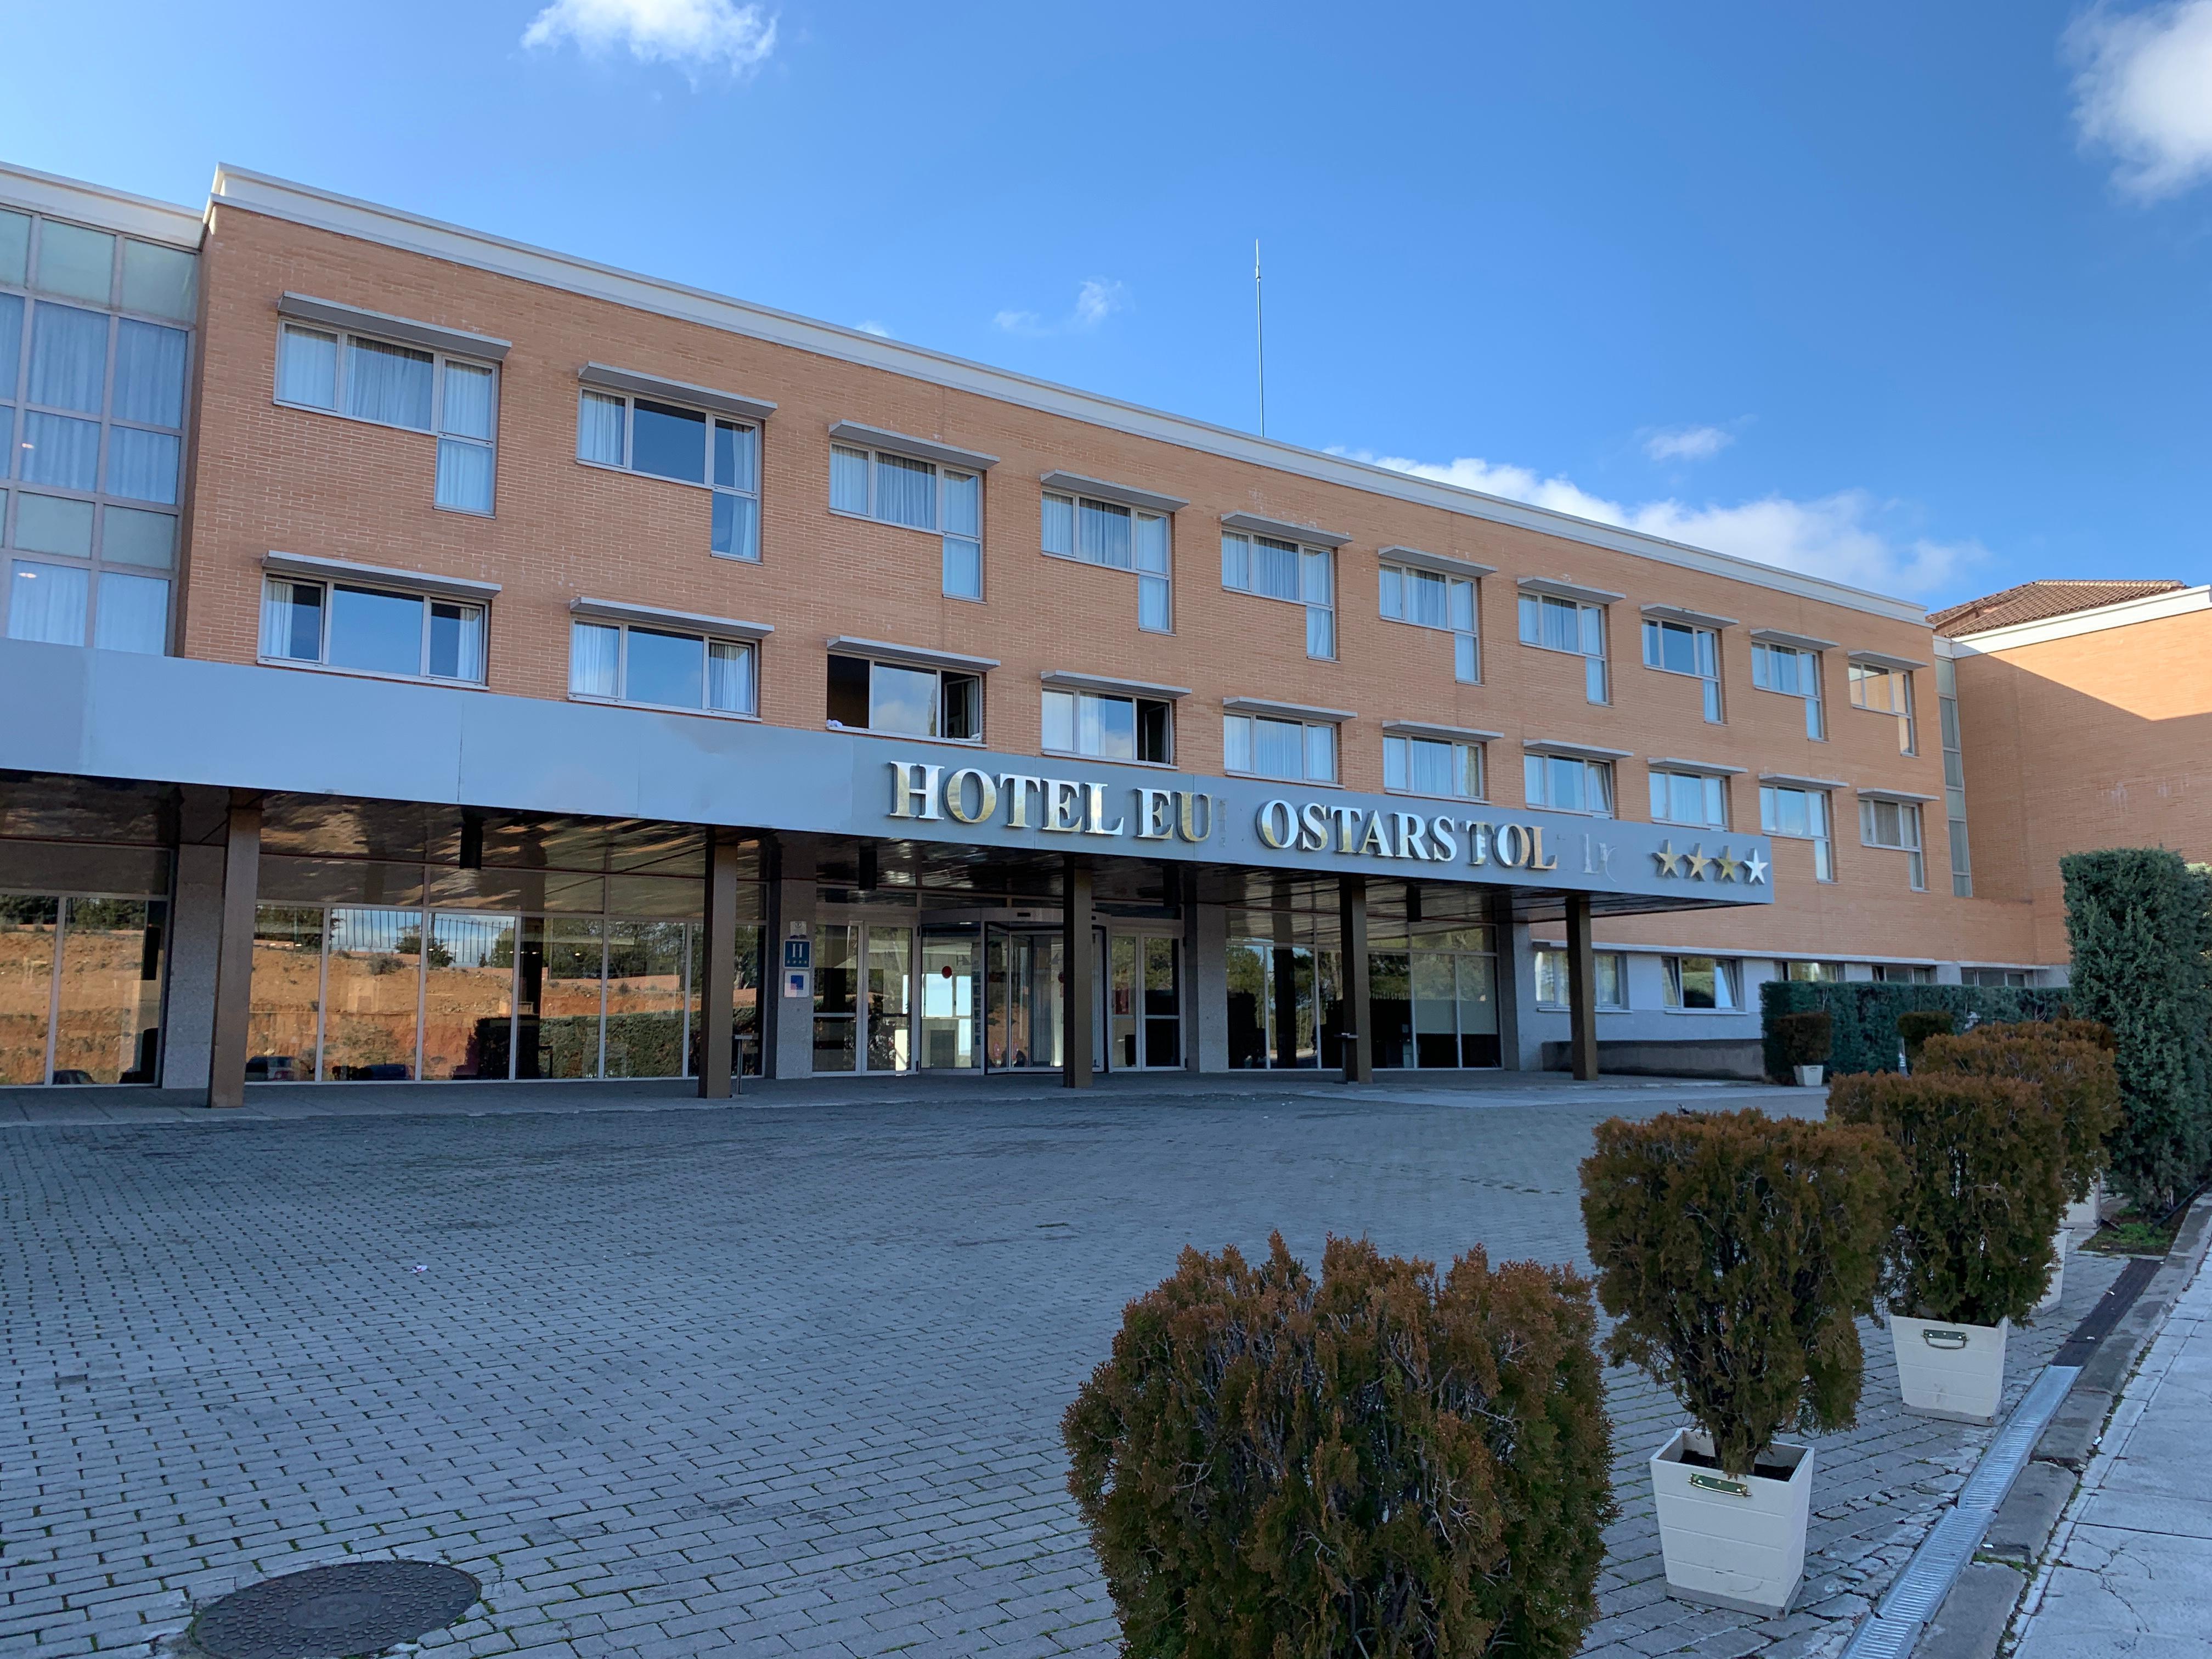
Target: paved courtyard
x,y
780,1377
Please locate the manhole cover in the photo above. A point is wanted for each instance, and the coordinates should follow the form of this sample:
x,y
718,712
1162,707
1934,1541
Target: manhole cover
x,y
335,1613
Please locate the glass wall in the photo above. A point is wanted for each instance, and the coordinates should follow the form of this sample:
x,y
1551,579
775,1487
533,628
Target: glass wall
x,y
80,988
1433,993
949,1001
1144,1013
1023,975
863,997
1286,995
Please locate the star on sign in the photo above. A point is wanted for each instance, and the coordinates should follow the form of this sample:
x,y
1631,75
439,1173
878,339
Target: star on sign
x,y
1756,866
1730,869
1697,861
1665,857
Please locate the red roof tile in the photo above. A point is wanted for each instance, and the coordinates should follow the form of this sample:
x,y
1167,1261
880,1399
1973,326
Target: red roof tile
x,y
2037,601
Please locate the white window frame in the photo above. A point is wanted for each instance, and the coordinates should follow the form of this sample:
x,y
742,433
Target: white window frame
x,y
714,419
1912,836
1704,651
1155,586
1590,620
1728,973
1809,669
321,661
1394,593
439,360
938,472
1535,783
621,698
1469,756
1317,584
939,672
1953,738
1076,694
1813,973
1899,684
1231,722
1824,845
1552,976
1711,788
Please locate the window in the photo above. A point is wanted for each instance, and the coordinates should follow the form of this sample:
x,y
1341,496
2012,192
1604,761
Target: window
x,y
1704,983
1118,538
1689,797
619,662
2019,978
1903,972
1265,746
1276,569
1446,603
867,695
1109,727
1885,691
1954,777
1551,990
1568,783
373,630
663,440
1555,624
1432,766
921,495
1895,824
95,347
418,391
1791,672
1802,814
1675,648
1813,973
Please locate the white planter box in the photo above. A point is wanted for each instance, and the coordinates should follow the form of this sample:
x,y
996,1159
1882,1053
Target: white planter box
x,y
2082,1217
2055,1288
1732,1543
1809,1077
1949,1369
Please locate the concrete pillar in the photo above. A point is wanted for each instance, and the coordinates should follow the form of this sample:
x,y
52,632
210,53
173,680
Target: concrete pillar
x,y
195,936
792,1052
717,1021
1581,989
1078,963
234,965
1351,943
1209,975
1188,1004
1516,993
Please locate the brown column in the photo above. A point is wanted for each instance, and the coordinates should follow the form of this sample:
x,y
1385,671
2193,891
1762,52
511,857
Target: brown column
x,y
717,1078
1351,943
1582,988
233,961
1078,974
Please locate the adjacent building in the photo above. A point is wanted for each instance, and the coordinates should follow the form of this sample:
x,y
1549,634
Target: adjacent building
x,y
433,658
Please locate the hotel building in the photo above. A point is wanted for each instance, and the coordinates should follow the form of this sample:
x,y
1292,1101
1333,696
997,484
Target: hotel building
x,y
432,658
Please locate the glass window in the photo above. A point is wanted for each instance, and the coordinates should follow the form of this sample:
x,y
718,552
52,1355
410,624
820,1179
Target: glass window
x,y
963,532
52,524
142,465
1677,648
465,451
60,451
1109,727
866,696
69,358
14,250
1432,766
1802,814
1689,797
666,669
77,262
1895,824
899,489
149,373
1269,747
130,536
133,613
1813,973
1709,983
1790,673
307,367
1553,990
1447,603
668,442
1555,624
663,440
1155,601
906,492
375,631
848,479
47,602
1885,691
1282,570
737,491
1569,783
1114,537
160,281
388,384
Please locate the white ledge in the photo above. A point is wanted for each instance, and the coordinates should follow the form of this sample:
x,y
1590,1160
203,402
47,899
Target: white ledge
x,y
1060,681
1699,768
1453,734
378,575
1282,530
919,656
432,337
1689,618
674,391
1586,750
1802,781
1074,484
1296,711
1801,642
922,449
653,616
1883,659
1905,795
1443,563
1566,590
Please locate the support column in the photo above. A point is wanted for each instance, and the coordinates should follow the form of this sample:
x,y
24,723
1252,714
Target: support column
x,y
717,1020
1581,989
233,963
1192,953
1078,974
1351,942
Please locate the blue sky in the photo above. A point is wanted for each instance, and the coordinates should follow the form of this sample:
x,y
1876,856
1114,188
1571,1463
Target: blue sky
x,y
1912,295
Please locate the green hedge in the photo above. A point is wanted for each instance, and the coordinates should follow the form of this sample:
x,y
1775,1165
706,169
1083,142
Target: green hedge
x,y
1865,1015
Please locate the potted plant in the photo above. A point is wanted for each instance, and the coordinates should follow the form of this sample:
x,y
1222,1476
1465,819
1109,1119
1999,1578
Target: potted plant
x,y
1381,1462
1969,1250
1916,1025
2070,1062
1807,1040
1735,1252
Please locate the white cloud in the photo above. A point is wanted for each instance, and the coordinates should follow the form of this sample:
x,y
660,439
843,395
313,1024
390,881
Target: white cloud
x,y
1098,299
1848,536
1687,443
872,326
2142,90
692,34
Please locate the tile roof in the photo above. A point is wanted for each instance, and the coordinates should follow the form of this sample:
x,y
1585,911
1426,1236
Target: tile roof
x,y
2036,601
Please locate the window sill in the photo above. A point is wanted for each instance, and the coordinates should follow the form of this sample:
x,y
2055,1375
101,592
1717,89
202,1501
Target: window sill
x,y
371,674
1701,1013
1107,760
734,558
1582,656
1421,794
662,707
465,512
1562,1008
1093,564
901,736
356,420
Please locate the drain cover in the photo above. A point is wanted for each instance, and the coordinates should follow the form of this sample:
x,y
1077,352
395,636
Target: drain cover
x,y
332,1613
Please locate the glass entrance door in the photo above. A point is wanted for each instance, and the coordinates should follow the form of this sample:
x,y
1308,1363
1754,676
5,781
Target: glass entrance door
x,y
1021,982
1144,1009
863,997
949,1003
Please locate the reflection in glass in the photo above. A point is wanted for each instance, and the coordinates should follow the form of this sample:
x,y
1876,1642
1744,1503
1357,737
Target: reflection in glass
x,y
835,993
1436,1038
557,998
645,1003
46,602
890,962
902,700
380,632
468,996
287,993
744,1000
948,1003
26,985
108,998
665,668
1025,982
1162,1005
374,989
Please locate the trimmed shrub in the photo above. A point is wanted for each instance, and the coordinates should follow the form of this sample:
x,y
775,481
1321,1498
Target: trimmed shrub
x,y
1866,1011
2070,1061
1379,1463
1804,1039
1971,1238
1915,1026
2140,922
1736,1251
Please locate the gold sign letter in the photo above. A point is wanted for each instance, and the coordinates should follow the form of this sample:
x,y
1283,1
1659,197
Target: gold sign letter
x,y
1155,815
914,785
955,795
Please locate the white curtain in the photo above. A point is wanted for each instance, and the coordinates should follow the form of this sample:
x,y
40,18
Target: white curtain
x,y
468,401
149,373
594,655
388,383
142,465
599,428
11,335
69,358
308,369
60,450
46,602
133,614
465,475
848,479
1058,530
906,492
729,675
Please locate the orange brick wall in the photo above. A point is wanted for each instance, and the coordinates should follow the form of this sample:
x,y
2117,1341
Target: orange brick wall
x,y
269,477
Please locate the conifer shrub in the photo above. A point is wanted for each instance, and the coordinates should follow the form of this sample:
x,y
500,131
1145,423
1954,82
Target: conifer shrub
x,y
2070,1061
1736,1251
1804,1039
1970,1242
1381,1462
1917,1025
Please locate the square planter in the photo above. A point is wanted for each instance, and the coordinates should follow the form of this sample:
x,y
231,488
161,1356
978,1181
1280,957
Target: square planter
x,y
1949,1370
2082,1217
1731,1543
1809,1077
2061,1242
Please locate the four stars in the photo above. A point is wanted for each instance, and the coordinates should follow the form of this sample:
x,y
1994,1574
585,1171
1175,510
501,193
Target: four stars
x,y
1698,865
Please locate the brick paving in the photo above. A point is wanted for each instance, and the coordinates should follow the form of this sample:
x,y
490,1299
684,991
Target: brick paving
x,y
764,1380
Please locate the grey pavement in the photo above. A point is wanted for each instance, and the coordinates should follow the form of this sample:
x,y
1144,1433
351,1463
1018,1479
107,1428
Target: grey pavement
x,y
2131,1566
782,1377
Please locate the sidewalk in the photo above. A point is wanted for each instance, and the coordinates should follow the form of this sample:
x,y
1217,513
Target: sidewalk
x,y
2131,1566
